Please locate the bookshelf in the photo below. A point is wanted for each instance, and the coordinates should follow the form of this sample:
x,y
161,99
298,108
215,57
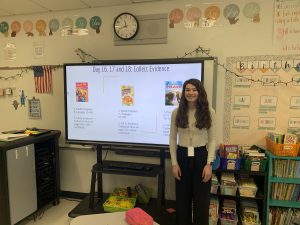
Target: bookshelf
x,y
260,179
282,174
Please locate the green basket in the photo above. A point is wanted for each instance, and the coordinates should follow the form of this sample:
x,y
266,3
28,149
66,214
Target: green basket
x,y
255,165
118,204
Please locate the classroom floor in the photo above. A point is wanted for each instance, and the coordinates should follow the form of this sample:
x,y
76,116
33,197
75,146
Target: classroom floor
x,y
53,215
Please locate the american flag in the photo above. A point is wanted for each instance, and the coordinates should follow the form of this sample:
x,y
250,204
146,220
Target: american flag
x,y
43,79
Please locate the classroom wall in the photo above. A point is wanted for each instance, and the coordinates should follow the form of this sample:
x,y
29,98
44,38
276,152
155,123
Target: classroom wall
x,y
245,38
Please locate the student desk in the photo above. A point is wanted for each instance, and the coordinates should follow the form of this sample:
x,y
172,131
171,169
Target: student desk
x,y
116,218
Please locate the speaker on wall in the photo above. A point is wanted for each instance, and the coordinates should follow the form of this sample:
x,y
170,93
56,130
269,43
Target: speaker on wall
x,y
153,29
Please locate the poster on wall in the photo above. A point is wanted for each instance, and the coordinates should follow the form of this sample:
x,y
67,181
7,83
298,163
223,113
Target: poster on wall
x,y
286,34
262,95
34,108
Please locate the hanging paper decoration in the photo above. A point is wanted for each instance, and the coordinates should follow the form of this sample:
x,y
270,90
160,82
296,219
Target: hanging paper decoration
x,y
22,98
252,10
231,12
15,104
80,24
211,14
175,17
53,26
28,28
15,28
193,15
4,27
43,79
67,26
95,23
40,26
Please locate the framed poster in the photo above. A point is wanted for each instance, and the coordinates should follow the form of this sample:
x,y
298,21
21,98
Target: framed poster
x,y
34,108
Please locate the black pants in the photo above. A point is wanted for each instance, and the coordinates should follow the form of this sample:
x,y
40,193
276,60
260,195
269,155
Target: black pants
x,y
190,190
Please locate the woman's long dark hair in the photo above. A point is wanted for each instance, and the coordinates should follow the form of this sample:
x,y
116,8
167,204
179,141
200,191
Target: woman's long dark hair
x,y
203,117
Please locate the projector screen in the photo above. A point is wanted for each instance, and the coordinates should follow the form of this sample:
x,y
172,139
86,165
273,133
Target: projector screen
x,y
125,102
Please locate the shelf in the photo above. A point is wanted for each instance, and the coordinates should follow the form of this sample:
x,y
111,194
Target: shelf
x,y
283,203
259,196
127,168
285,180
242,172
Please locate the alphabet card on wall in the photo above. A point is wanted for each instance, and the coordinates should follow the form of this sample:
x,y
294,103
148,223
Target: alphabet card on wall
x,y
263,95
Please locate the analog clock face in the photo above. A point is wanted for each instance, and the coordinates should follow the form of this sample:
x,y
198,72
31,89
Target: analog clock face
x,y
126,26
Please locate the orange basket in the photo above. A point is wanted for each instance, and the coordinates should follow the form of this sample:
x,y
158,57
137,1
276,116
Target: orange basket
x,y
282,149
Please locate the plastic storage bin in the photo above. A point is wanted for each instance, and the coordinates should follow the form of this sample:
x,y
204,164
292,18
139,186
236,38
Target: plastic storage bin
x,y
282,149
231,164
228,222
250,223
255,165
213,221
228,190
118,204
248,191
214,188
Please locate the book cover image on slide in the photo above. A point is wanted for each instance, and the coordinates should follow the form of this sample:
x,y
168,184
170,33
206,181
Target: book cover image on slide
x,y
173,92
82,94
127,93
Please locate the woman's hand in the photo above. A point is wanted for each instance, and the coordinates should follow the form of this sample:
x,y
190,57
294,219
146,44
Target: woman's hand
x,y
176,171
207,172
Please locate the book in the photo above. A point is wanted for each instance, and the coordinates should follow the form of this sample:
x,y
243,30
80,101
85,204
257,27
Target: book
x,y
82,92
229,151
127,93
173,92
290,139
11,137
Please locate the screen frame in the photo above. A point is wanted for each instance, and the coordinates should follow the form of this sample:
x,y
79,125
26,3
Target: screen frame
x,y
123,62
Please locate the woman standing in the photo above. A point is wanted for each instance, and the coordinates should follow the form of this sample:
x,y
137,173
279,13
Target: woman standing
x,y
193,122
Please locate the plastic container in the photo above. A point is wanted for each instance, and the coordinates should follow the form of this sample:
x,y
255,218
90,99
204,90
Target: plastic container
x,y
282,149
228,190
250,223
214,188
248,191
228,222
231,164
137,216
118,204
255,165
213,221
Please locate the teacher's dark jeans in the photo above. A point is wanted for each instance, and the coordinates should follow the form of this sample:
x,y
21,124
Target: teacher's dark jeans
x,y
190,190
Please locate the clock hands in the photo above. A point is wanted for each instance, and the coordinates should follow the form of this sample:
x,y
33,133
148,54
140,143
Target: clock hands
x,y
123,26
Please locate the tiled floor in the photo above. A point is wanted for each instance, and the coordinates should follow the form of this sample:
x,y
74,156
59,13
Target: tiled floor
x,y
54,215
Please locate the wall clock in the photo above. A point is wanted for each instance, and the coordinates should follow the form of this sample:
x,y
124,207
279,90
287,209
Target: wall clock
x,y
126,26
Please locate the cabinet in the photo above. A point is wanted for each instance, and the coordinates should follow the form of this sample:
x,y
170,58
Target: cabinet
x,y
22,189
260,179
21,182
282,182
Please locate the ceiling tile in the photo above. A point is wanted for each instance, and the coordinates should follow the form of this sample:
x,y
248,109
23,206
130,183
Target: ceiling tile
x,y
3,12
14,7
97,3
60,5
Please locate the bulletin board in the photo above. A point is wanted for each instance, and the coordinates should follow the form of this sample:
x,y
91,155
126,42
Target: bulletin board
x,y
262,94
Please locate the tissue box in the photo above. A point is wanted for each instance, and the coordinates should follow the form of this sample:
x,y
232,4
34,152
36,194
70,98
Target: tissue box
x,y
137,216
